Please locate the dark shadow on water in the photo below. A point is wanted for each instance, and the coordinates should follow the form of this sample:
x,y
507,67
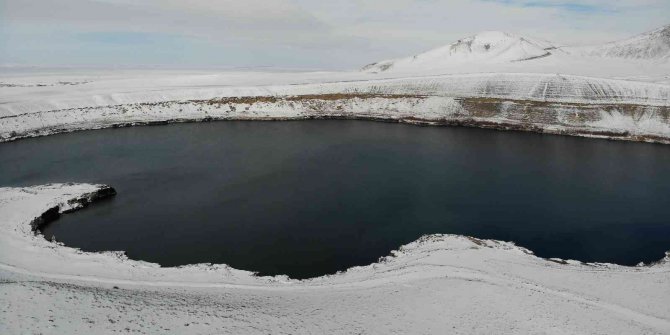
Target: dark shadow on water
x,y
314,197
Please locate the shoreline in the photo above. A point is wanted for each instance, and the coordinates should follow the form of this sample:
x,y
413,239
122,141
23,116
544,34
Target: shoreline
x,y
482,281
73,201
105,192
626,122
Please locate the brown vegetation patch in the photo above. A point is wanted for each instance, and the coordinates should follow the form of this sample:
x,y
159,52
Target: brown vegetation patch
x,y
303,97
559,261
557,113
476,241
623,107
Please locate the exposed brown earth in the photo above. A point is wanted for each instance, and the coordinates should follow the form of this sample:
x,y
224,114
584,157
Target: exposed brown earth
x,y
491,113
306,97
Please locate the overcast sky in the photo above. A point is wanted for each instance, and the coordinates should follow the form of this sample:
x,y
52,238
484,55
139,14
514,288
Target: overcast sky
x,y
291,33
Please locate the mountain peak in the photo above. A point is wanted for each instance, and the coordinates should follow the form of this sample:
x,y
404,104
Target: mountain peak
x,y
498,47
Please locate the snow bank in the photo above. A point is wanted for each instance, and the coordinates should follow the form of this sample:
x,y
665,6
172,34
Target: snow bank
x,y
437,283
520,86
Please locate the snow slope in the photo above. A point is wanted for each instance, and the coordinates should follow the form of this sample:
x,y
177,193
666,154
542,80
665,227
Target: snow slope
x,y
499,51
651,46
485,47
437,284
563,104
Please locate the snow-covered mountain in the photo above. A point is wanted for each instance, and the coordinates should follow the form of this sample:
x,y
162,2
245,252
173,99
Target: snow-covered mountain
x,y
501,48
485,47
653,45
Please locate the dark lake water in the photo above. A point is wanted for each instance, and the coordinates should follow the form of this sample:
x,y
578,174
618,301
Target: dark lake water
x,y
313,197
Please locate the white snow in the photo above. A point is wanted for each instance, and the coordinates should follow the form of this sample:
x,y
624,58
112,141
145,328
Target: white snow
x,y
651,46
486,47
438,284
46,110
643,57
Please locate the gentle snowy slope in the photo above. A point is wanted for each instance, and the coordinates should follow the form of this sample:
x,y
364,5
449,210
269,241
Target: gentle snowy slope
x,y
651,46
520,86
438,284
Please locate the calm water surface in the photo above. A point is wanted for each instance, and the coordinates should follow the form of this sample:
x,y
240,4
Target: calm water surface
x,y
314,197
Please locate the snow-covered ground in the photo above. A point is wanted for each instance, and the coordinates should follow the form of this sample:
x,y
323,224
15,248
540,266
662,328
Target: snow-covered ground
x,y
438,284
574,104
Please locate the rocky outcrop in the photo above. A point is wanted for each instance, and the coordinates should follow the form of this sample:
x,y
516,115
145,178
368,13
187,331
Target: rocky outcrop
x,y
71,205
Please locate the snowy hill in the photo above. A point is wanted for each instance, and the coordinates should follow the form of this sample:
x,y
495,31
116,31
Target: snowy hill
x,y
485,47
653,45
499,51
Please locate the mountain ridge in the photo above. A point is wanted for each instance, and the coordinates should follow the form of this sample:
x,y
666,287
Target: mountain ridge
x,y
652,45
498,47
